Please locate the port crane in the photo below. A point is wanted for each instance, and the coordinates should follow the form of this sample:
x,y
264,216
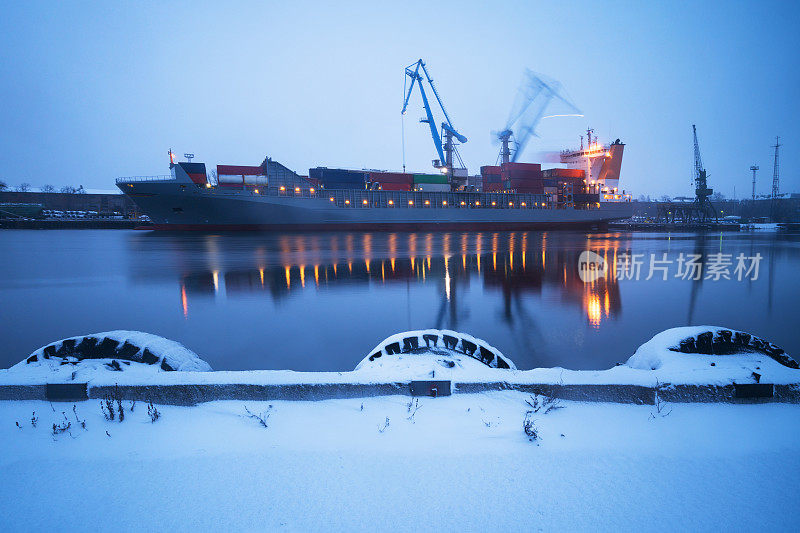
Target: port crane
x,y
701,208
533,98
445,150
701,191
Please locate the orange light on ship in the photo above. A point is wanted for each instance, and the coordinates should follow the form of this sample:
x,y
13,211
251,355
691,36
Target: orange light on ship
x,y
463,202
347,202
311,190
297,189
477,203
255,191
427,202
444,202
510,204
391,202
282,188
411,202
523,204
331,198
494,204
364,202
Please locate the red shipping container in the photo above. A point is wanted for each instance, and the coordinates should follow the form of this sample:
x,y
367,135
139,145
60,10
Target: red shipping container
x,y
239,170
564,173
523,167
490,170
494,187
391,177
395,186
524,180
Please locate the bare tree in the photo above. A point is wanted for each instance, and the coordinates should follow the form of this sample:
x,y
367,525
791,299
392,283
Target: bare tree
x,y
3,185
665,198
68,189
47,188
23,187
717,196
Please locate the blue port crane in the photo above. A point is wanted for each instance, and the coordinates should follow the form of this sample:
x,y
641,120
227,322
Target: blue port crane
x,y
445,150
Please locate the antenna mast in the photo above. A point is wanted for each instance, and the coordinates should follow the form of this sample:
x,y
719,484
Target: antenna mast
x,y
775,174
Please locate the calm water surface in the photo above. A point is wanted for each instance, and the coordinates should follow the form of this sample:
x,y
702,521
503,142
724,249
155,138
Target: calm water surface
x,y
321,301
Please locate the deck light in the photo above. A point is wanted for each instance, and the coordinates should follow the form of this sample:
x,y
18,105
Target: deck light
x,y
347,202
494,204
364,202
411,202
282,188
427,202
208,185
444,202
510,204
523,204
331,198
463,202
391,202
477,203
297,189
311,190
256,191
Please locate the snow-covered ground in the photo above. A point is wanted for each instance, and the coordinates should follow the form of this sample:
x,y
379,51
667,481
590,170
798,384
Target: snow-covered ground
x,y
461,463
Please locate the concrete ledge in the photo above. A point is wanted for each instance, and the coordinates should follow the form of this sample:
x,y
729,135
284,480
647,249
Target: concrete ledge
x,y
23,392
191,394
636,394
194,394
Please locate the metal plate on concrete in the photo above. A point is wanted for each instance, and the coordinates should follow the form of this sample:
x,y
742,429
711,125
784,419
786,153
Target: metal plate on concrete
x,y
754,390
66,392
430,388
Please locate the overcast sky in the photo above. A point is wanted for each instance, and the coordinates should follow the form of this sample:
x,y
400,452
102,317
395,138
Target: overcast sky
x,y
95,91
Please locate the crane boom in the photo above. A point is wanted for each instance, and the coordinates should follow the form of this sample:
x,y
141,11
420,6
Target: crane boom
x,y
413,72
698,162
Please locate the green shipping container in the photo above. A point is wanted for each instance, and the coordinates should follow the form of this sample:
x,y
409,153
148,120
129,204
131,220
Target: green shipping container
x,y
430,178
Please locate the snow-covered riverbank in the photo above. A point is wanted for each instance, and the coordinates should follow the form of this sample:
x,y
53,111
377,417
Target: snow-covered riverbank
x,y
461,462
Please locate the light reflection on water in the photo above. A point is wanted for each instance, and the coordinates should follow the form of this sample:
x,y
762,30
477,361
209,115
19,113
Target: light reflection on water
x,y
320,301
599,299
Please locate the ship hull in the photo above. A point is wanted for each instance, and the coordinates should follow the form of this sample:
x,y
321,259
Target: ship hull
x,y
173,206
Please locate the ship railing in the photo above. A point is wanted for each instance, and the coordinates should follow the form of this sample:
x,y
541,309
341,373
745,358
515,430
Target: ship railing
x,y
131,179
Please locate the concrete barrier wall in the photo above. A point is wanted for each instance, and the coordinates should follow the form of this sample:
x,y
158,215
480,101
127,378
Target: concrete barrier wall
x,y
182,394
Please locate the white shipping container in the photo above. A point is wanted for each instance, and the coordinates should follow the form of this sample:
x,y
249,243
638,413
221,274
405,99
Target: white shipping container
x,y
238,179
432,187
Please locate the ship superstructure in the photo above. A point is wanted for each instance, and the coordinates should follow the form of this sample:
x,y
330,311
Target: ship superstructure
x,y
601,163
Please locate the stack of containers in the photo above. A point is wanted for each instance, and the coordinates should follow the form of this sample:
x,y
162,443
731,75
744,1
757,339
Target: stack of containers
x,y
392,181
492,178
431,182
558,177
335,178
523,177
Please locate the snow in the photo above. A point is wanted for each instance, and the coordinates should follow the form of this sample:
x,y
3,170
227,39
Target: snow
x,y
653,363
393,463
380,349
43,368
669,366
460,463
760,226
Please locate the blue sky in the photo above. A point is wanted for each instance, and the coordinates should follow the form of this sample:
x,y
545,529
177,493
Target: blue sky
x,y
91,92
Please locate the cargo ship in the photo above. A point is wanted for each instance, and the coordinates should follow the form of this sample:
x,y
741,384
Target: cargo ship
x,y
270,196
